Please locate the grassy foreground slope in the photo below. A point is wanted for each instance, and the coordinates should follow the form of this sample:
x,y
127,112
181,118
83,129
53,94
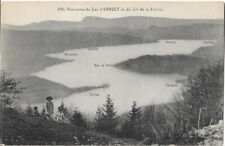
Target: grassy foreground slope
x,y
19,129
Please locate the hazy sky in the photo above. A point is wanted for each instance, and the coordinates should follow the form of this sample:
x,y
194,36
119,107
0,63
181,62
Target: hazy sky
x,y
20,13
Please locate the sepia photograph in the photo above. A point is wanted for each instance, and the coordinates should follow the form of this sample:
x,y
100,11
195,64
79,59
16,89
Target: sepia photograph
x,y
112,73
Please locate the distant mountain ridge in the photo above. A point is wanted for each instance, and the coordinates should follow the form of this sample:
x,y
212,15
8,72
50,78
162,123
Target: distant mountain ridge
x,y
147,28
131,22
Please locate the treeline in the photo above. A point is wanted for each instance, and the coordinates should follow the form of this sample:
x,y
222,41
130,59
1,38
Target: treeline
x,y
198,104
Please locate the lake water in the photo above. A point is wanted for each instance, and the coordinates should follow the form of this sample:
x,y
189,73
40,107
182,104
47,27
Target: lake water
x,y
93,67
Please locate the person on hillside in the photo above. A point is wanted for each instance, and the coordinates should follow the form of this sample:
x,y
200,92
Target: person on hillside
x,y
36,112
29,111
60,115
43,112
49,105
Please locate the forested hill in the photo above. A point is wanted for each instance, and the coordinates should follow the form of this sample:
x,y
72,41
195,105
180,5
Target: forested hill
x,y
211,53
168,64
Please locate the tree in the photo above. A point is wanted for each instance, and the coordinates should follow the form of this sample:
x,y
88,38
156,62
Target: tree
x,y
150,124
77,119
109,120
135,114
98,118
204,96
131,126
8,89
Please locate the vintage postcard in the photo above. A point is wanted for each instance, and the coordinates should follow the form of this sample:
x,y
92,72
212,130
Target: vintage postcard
x,y
109,73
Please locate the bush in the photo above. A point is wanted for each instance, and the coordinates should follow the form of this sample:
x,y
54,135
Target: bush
x,y
77,119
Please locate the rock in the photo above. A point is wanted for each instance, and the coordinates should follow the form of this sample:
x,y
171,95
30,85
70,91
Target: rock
x,y
213,134
220,124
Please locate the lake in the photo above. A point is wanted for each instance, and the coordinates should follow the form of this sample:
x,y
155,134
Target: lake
x,y
94,67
